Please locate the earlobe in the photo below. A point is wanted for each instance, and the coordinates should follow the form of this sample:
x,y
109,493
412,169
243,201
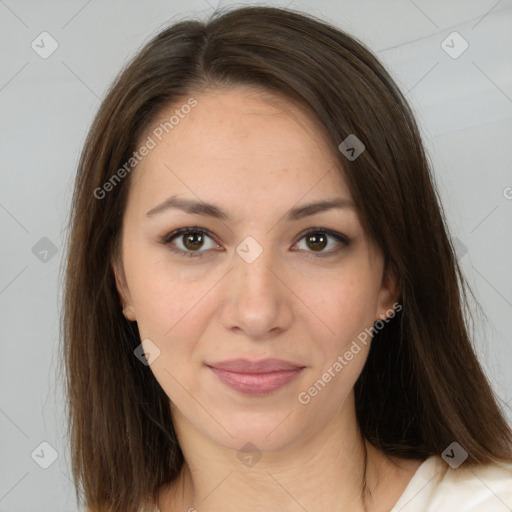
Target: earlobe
x,y
123,291
129,313
389,295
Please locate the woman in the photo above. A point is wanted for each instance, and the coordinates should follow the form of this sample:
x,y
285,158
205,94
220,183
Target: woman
x,y
262,303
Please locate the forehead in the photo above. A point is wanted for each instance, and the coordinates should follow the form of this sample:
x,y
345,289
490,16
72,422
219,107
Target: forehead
x,y
242,107
242,140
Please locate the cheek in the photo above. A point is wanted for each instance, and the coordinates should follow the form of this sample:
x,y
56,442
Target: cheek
x,y
346,308
166,302
339,307
173,313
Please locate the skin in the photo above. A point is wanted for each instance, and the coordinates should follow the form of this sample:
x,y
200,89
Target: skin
x,y
256,156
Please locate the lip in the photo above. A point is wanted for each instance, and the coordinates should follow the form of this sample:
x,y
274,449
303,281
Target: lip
x,y
256,377
247,366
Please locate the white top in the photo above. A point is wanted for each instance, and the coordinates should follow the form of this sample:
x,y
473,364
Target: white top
x,y
437,487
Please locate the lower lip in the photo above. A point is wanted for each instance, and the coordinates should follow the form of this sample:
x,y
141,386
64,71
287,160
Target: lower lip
x,y
256,383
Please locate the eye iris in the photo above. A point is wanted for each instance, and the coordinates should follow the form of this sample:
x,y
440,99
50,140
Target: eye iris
x,y
316,241
193,241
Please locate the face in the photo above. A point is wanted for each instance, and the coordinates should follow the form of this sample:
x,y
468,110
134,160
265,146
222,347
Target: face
x,y
256,276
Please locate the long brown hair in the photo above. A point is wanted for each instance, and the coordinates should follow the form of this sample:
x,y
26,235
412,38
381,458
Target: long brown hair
x,y
422,387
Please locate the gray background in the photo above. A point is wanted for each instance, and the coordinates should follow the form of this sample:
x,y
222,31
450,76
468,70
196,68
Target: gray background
x,y
463,104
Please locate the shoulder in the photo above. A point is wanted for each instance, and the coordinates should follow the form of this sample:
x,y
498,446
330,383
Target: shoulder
x,y
438,487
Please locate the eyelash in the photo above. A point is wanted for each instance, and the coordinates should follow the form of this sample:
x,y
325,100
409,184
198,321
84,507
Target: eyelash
x,y
167,239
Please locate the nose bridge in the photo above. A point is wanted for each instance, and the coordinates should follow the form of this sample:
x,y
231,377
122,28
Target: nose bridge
x,y
256,302
254,273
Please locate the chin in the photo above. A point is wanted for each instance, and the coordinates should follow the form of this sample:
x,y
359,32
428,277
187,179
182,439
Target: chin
x,y
265,432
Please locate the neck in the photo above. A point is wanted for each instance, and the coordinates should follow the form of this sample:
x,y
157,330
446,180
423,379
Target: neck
x,y
324,471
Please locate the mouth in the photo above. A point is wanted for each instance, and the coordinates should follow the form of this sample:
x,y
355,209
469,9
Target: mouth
x,y
256,377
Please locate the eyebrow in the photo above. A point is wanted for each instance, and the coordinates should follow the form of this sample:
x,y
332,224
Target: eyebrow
x,y
210,210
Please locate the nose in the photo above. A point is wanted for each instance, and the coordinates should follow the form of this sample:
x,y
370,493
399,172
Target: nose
x,y
257,301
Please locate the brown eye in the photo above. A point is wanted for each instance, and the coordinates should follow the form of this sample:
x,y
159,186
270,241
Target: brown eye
x,y
316,241
324,242
193,241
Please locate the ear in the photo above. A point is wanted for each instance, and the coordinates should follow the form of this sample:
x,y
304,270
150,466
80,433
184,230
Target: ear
x,y
389,293
123,290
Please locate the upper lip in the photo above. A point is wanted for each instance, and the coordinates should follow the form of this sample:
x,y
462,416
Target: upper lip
x,y
262,366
